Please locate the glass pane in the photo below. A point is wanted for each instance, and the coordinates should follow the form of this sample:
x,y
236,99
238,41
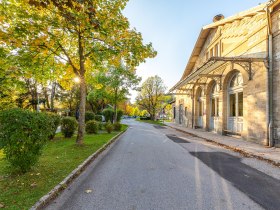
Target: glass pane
x,y
217,104
240,104
232,105
233,81
174,112
214,89
186,111
213,107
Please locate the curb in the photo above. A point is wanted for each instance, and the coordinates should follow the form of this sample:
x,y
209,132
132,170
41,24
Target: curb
x,y
240,151
43,201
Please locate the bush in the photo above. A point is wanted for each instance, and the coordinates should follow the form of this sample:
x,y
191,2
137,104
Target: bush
x,y
55,123
100,126
22,136
117,126
109,127
108,114
119,115
145,118
89,116
68,126
92,127
98,118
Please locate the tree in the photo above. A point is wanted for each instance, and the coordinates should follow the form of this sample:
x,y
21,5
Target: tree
x,y
144,113
151,95
136,111
97,99
129,110
10,87
168,110
81,34
118,80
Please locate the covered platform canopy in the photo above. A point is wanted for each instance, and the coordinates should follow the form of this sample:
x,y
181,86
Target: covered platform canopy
x,y
207,69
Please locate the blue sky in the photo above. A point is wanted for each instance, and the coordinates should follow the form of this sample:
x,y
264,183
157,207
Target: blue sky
x,y
173,27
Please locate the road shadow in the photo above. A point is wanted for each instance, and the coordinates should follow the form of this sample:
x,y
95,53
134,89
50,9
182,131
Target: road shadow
x,y
159,127
176,139
261,188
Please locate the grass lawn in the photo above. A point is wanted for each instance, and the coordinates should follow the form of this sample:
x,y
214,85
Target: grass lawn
x,y
59,158
151,122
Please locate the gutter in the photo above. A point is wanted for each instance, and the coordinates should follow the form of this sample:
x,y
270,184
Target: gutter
x,y
193,108
270,121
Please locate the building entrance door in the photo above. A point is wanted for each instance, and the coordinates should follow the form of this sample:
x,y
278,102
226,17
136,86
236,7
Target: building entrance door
x,y
235,102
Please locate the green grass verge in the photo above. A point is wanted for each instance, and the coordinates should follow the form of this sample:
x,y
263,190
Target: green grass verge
x,y
59,158
151,122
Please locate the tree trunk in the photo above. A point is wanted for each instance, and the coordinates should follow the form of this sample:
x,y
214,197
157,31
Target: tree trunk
x,y
116,113
53,95
82,107
153,114
92,107
82,110
46,97
115,106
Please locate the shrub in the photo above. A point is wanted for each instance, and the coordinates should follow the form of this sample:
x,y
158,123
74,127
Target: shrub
x,y
117,126
145,118
92,126
100,126
89,116
72,113
108,114
22,136
55,123
119,115
98,118
109,127
68,126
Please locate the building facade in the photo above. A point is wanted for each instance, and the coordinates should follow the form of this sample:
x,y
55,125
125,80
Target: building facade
x,y
231,82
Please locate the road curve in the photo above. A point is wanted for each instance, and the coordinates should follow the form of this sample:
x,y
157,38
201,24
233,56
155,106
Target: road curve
x,y
152,167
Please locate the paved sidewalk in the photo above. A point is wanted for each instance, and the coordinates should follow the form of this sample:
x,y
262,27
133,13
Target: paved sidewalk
x,y
249,148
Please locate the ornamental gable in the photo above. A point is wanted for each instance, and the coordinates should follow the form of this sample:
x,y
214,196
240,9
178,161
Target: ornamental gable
x,y
244,37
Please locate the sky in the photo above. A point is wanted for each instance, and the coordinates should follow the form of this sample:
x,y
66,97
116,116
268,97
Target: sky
x,y
173,26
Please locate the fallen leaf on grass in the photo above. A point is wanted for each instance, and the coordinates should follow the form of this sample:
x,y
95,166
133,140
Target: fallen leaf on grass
x,y
88,191
2,206
33,184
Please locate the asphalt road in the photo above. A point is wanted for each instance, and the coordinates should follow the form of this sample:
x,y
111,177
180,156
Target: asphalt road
x,y
152,167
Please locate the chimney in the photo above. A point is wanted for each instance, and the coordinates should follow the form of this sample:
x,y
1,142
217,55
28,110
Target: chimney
x,y
218,18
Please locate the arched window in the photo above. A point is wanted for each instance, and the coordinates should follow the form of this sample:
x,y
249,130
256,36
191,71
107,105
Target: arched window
x,y
235,93
215,100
